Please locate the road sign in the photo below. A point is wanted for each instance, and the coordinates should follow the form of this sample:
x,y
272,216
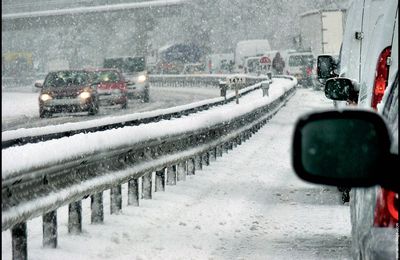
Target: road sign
x,y
236,80
265,59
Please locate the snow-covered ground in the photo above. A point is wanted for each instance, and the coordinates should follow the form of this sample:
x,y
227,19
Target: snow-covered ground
x,y
248,204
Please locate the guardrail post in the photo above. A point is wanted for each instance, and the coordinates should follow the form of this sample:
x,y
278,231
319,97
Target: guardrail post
x,y
171,175
206,159
160,180
96,203
19,242
182,171
75,217
239,139
220,150
116,199
133,192
214,153
198,162
147,186
50,229
191,167
234,142
226,147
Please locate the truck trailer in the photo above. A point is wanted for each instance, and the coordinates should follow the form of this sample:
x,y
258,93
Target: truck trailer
x,y
321,31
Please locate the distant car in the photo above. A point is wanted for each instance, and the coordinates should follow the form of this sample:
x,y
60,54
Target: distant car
x,y
194,68
300,65
134,70
68,91
111,88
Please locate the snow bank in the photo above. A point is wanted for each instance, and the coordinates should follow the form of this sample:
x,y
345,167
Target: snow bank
x,y
16,159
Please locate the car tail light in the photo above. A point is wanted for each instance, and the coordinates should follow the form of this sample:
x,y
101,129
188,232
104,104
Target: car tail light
x,y
381,77
387,209
309,71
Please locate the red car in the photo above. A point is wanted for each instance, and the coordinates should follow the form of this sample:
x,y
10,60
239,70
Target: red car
x,y
67,91
111,88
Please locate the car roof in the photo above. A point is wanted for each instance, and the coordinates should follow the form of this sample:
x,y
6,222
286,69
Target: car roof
x,y
68,70
102,69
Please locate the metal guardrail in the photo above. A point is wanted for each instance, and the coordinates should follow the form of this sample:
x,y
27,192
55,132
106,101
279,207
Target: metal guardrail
x,y
174,80
25,194
197,80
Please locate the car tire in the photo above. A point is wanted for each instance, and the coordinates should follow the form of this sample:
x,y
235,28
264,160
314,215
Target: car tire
x,y
345,196
146,96
124,105
94,109
44,114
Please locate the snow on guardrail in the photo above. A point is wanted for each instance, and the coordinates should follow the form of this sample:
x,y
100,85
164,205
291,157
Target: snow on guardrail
x,y
22,158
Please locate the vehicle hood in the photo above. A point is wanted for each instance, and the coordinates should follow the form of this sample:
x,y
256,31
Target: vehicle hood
x,y
69,91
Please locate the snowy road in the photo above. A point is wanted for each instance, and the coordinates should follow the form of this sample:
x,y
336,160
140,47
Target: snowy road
x,y
21,109
246,205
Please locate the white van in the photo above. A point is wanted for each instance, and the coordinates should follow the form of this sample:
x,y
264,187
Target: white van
x,y
300,65
369,57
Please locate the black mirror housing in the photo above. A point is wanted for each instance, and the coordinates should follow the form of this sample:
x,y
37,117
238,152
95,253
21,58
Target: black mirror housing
x,y
340,89
349,148
326,66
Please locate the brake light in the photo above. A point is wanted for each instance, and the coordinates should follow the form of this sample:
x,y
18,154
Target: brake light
x,y
386,211
309,71
381,77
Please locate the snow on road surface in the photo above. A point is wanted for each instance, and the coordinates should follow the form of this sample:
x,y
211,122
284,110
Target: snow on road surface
x,y
20,109
248,204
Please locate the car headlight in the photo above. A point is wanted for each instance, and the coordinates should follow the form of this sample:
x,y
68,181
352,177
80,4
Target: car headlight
x,y
85,95
45,97
141,78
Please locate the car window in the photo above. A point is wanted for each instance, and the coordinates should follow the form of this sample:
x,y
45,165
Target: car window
x,y
107,76
300,60
67,78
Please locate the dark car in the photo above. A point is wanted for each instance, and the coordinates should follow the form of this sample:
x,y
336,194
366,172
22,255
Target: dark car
x,y
68,91
111,88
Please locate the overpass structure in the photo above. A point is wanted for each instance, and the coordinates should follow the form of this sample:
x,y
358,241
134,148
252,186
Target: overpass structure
x,y
28,20
83,35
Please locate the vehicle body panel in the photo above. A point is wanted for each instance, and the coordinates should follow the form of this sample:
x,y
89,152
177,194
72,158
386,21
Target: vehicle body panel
x,y
112,87
358,60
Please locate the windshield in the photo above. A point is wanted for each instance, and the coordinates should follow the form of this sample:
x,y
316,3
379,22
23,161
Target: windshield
x,y
66,78
106,76
126,65
301,60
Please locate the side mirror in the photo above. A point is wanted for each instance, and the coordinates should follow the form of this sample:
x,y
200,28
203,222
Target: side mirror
x,y
326,66
39,84
341,89
349,148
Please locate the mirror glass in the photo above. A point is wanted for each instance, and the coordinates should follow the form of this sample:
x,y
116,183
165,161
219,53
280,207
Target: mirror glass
x,y
341,148
338,89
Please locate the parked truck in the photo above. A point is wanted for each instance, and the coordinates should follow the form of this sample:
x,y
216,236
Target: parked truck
x,y
321,31
220,63
249,48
